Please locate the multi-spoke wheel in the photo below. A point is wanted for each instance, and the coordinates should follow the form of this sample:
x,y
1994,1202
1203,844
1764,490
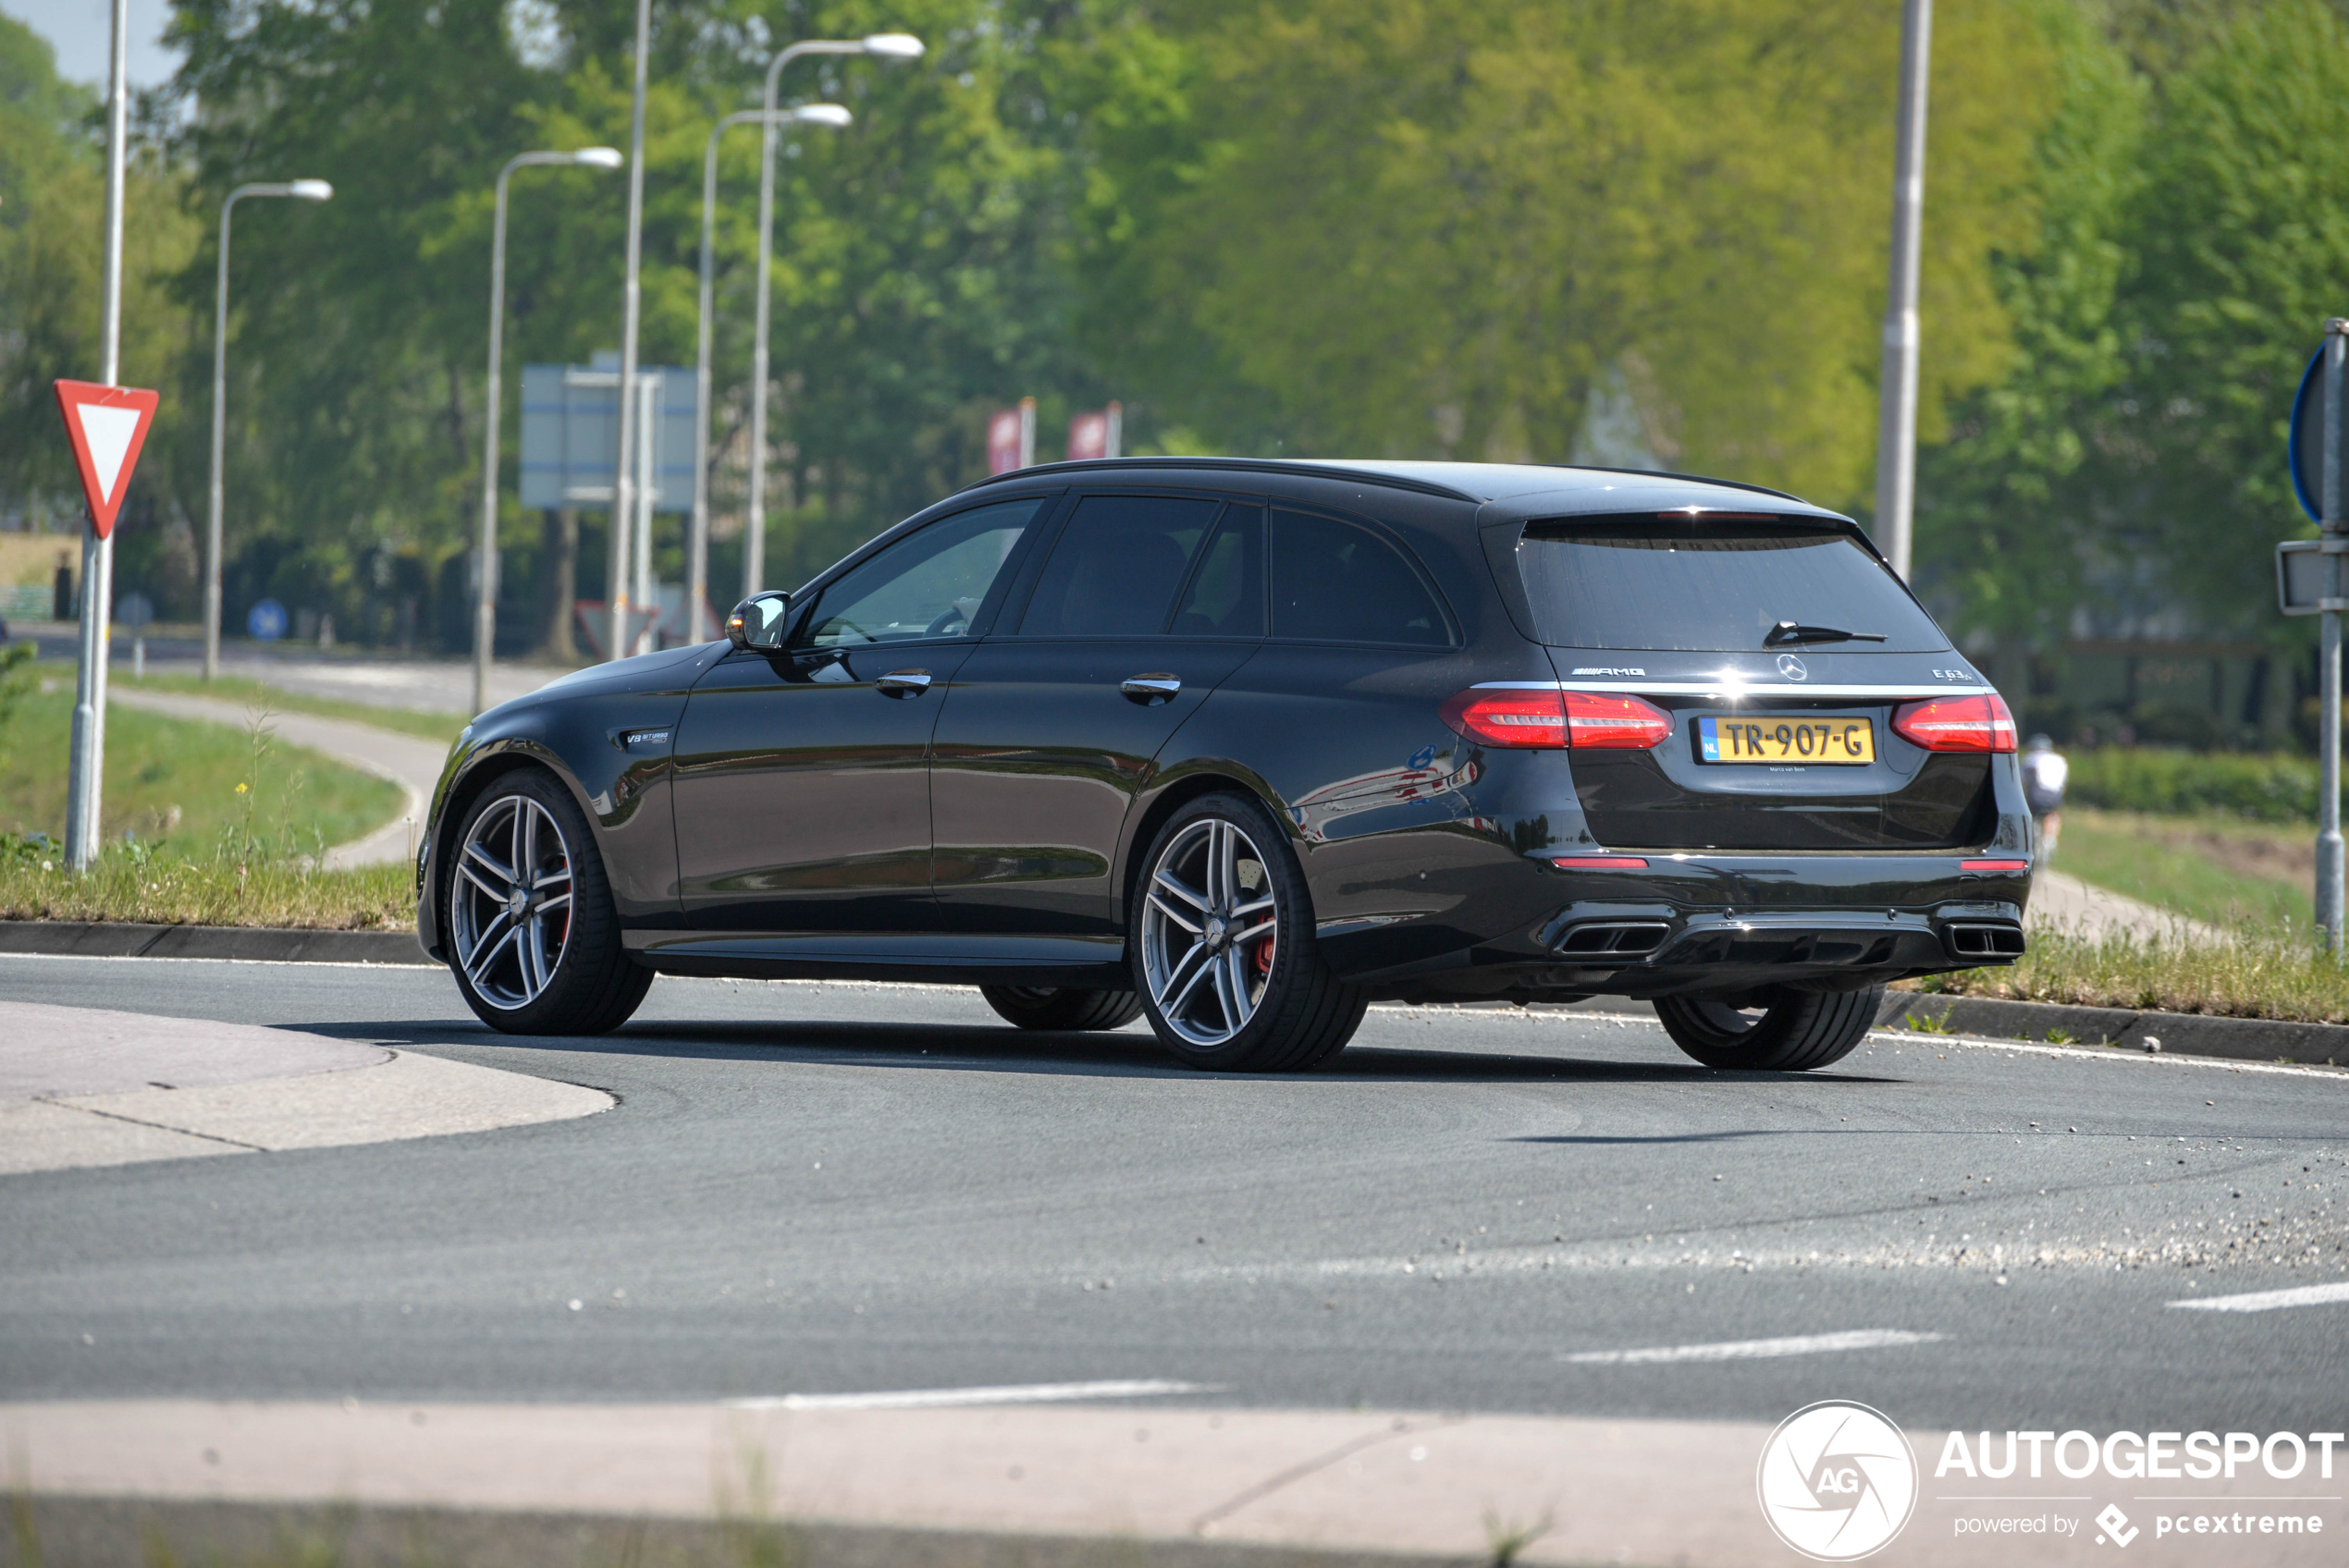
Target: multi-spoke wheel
x,y
533,937
1774,1030
1222,945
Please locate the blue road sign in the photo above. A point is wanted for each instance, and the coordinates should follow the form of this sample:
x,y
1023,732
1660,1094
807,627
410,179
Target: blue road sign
x,y
267,620
2305,449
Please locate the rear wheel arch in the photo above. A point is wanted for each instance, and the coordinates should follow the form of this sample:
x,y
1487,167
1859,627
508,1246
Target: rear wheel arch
x,y
1142,830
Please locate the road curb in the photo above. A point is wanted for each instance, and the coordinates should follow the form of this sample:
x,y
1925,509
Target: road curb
x,y
78,939
2180,1033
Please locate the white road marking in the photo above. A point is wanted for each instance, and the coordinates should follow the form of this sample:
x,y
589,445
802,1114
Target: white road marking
x,y
2269,1301
1016,1393
1746,1349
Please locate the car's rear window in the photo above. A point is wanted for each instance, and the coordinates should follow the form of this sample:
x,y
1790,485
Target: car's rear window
x,y
1710,586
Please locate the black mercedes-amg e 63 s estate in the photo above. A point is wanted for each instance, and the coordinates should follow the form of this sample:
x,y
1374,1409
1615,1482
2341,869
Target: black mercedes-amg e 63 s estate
x,y
1243,746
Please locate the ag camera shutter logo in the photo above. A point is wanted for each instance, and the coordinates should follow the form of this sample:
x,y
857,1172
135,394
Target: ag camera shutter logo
x,y
1836,1481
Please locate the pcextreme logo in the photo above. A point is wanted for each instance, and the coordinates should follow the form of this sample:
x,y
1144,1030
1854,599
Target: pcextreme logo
x,y
1836,1481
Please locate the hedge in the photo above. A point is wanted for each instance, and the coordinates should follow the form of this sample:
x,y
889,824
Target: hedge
x,y
2275,787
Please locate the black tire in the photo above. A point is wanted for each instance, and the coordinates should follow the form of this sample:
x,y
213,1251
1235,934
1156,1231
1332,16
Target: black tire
x,y
1303,1015
1796,1030
1055,1007
593,985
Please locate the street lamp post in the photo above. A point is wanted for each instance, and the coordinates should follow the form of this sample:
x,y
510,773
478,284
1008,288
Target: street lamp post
x,y
1896,452
300,190
884,46
485,596
630,312
697,543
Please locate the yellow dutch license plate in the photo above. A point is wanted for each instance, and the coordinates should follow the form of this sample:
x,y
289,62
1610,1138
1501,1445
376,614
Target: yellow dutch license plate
x,y
1843,742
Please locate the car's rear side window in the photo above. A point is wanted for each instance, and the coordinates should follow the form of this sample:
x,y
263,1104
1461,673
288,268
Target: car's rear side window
x,y
1225,597
1711,585
1336,583
1117,567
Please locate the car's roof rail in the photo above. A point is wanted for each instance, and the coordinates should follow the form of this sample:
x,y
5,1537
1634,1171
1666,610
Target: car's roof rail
x,y
1228,465
1335,468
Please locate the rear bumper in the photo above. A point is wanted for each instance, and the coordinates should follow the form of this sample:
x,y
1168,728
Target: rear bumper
x,y
1708,923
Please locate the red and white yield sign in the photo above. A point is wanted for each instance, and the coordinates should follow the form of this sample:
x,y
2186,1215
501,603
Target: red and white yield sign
x,y
107,425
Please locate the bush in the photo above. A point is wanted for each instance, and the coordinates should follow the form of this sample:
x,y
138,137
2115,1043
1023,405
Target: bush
x,y
2276,788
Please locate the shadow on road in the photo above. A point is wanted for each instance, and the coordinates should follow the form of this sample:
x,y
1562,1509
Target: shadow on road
x,y
981,1049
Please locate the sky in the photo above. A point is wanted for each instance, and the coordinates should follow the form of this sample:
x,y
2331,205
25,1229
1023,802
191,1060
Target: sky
x,y
83,31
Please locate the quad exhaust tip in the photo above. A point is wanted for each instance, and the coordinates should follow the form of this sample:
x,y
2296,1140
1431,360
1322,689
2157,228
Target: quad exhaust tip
x,y
1984,941
1630,938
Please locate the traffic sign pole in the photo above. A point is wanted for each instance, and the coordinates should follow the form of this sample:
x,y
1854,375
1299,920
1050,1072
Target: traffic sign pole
x,y
2335,530
86,761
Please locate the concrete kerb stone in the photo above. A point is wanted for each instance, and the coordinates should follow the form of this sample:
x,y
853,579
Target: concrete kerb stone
x,y
72,938
2180,1033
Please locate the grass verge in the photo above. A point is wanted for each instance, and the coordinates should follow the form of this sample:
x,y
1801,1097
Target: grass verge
x,y
2261,972
2209,867
184,783
147,888
441,727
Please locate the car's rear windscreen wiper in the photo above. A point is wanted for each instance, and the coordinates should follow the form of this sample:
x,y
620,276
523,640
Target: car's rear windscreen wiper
x,y
1788,632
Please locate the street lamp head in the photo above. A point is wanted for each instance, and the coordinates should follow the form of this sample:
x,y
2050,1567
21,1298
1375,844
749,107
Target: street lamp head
x,y
894,46
599,157
310,189
822,114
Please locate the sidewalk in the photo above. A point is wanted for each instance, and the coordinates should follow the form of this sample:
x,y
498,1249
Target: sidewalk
x,y
998,1483
2075,908
83,1087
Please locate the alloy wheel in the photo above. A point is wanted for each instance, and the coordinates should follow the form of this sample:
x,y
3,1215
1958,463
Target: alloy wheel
x,y
1207,932
510,908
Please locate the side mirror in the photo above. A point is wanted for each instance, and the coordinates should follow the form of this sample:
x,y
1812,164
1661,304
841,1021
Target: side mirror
x,y
757,622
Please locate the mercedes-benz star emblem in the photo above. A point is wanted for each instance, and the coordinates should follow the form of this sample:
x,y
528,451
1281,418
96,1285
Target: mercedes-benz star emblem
x,y
1792,667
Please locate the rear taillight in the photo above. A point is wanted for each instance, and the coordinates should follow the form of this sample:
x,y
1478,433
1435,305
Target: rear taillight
x,y
1585,720
1957,724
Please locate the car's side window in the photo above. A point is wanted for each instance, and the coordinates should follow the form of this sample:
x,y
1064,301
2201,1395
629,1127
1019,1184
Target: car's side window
x,y
1335,582
930,585
1117,567
1225,597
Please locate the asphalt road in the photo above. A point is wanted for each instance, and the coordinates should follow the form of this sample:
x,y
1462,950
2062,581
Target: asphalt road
x,y
812,1188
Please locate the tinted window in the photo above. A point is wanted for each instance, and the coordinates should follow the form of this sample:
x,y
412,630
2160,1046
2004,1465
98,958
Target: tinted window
x,y
1114,570
1333,581
1226,594
930,585
1711,586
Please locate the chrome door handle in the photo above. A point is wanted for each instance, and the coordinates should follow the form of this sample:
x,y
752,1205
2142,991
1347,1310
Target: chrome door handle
x,y
902,683
1151,688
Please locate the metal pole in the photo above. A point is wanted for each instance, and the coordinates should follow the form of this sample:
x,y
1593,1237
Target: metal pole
x,y
895,46
649,389
486,594
1896,452
2335,529
308,190
486,590
698,544
86,763
630,314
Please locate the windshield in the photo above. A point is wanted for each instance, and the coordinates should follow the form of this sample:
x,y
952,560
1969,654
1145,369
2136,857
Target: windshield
x,y
1711,586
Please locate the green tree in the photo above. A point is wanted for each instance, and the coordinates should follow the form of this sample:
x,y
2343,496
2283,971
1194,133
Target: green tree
x,y
2241,230
2012,528
1431,226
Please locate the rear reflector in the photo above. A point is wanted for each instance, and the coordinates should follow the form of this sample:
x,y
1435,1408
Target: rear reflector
x,y
1598,863
1994,866
1957,724
1587,721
